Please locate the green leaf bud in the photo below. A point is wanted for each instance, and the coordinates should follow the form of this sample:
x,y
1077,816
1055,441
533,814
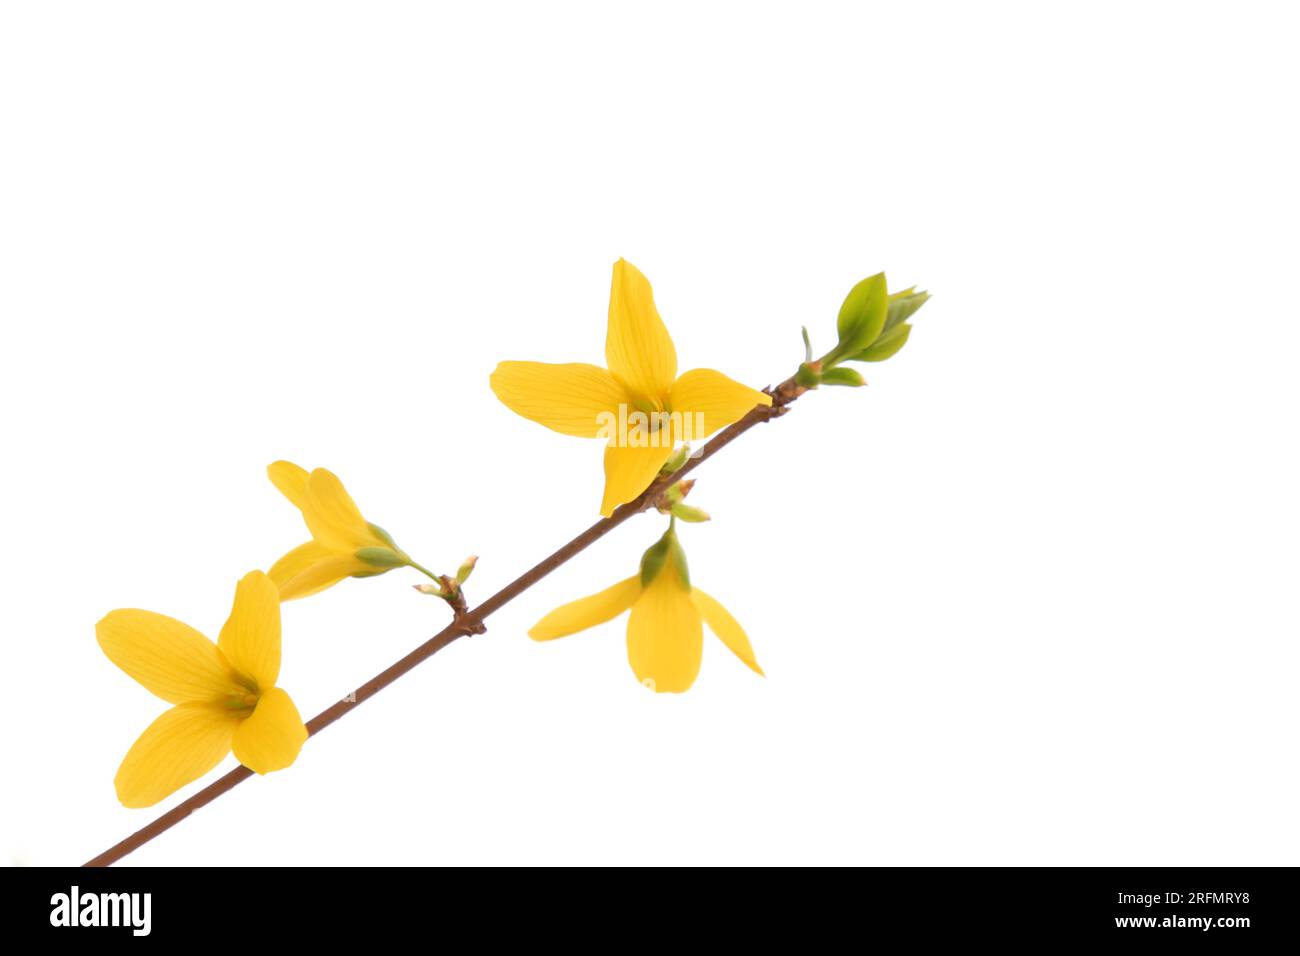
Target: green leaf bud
x,y
862,316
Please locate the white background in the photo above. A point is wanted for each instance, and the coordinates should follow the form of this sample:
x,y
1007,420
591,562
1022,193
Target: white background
x,y
1029,598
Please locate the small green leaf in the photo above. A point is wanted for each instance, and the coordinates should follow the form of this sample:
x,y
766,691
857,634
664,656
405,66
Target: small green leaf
x,y
383,536
844,376
886,346
902,306
863,314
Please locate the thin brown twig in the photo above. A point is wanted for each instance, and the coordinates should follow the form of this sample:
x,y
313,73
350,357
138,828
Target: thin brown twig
x,y
466,621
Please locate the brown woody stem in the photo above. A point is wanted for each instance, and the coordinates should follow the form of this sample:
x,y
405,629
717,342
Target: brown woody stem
x,y
465,620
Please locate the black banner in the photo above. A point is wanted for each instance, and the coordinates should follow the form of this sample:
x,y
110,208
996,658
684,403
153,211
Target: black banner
x,y
1229,906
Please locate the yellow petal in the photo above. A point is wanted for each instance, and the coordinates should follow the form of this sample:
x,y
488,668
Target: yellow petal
x,y
169,658
727,628
570,399
587,612
250,638
299,561
332,516
629,471
638,349
177,748
291,480
721,400
328,570
665,640
270,738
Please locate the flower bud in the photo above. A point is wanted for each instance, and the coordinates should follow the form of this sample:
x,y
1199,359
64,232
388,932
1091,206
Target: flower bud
x,y
689,513
466,569
676,461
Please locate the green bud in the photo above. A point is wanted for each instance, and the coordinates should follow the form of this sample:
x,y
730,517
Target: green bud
x,y
843,376
863,314
674,496
466,569
383,536
689,513
807,344
809,375
676,461
385,558
429,589
902,306
886,346
677,492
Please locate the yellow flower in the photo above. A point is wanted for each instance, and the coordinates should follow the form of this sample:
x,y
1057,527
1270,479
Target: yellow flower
x,y
343,545
224,693
639,404
665,638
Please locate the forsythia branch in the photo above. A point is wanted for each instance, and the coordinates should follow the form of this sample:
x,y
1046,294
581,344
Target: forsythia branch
x,y
466,621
